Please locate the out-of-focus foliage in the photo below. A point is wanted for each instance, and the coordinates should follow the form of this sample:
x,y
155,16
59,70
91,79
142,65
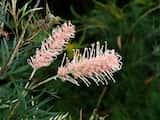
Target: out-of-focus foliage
x,y
132,27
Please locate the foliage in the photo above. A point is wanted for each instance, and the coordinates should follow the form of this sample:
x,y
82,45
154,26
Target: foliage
x,y
131,27
24,24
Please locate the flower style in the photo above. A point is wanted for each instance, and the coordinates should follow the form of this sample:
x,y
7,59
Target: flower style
x,y
52,46
95,64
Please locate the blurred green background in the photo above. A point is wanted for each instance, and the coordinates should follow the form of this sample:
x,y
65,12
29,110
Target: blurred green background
x,y
131,27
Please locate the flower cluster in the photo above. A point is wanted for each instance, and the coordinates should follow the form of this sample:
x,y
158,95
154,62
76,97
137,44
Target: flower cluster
x,y
52,46
95,63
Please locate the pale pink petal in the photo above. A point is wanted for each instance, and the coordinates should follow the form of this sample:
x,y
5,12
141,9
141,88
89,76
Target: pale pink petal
x,y
102,63
52,46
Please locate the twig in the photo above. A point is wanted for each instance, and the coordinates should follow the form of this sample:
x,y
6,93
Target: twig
x,y
81,112
43,82
29,81
101,96
13,111
11,58
100,99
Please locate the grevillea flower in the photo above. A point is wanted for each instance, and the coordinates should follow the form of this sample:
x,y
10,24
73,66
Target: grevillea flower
x,y
52,46
96,63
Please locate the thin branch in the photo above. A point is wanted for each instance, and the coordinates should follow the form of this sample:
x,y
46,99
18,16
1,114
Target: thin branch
x,y
11,58
32,74
43,82
100,99
12,112
81,114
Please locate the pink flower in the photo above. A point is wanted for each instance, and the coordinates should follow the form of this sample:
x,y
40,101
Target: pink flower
x,y
52,46
95,64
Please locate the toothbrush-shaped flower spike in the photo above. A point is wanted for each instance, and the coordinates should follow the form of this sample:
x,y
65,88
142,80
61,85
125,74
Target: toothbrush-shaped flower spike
x,y
52,46
95,64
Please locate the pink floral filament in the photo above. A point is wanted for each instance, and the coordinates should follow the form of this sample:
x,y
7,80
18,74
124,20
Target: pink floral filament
x,y
95,63
52,46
